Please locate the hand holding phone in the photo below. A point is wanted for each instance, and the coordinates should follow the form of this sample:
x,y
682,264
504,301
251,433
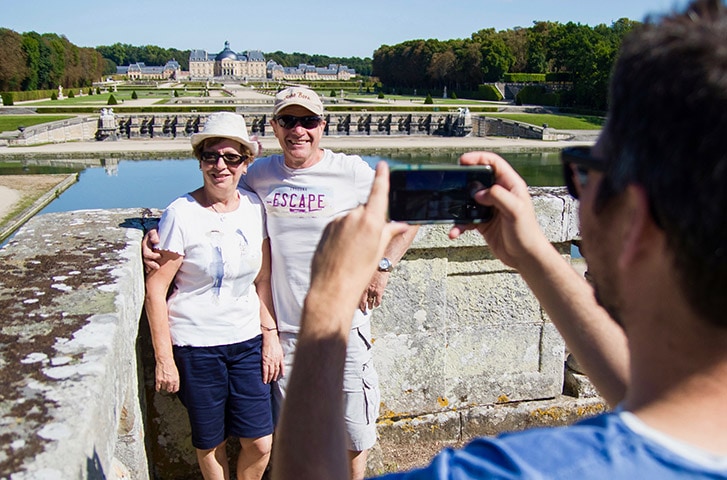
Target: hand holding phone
x,y
438,193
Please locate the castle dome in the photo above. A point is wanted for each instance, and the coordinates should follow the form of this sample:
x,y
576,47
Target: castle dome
x,y
226,53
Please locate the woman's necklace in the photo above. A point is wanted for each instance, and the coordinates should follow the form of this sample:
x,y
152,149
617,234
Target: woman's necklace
x,y
219,214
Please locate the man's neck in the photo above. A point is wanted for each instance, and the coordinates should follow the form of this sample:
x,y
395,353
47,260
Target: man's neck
x,y
296,163
678,383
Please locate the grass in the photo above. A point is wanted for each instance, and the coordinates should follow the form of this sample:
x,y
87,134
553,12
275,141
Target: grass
x,y
19,208
8,123
414,99
101,99
559,122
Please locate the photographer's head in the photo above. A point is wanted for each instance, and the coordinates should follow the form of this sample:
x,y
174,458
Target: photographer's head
x,y
666,133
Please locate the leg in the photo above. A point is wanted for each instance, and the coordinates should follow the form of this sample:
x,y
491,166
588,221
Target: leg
x,y
358,464
254,457
214,463
361,399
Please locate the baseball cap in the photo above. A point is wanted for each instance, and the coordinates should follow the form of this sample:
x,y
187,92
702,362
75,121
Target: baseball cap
x,y
305,97
225,125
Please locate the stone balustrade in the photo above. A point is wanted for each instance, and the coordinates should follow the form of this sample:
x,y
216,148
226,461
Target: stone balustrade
x,y
459,340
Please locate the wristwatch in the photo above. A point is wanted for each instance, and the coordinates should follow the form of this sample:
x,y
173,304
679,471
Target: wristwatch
x,y
385,265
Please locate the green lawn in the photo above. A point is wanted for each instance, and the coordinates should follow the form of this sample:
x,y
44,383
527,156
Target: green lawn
x,y
122,95
559,122
8,123
413,99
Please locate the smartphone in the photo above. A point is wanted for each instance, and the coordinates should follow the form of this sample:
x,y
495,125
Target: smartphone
x,y
438,193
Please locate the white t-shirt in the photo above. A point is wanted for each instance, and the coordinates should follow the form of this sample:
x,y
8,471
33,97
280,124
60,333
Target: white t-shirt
x,y
214,300
299,204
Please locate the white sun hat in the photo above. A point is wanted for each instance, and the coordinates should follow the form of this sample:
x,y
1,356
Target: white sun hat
x,y
225,125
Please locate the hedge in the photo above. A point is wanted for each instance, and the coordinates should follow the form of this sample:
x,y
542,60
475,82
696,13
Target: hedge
x,y
537,95
525,77
487,92
29,95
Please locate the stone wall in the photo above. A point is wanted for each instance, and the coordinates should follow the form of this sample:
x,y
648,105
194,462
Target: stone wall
x,y
71,130
71,289
459,338
483,126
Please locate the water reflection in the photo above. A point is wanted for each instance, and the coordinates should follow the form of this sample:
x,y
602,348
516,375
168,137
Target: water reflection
x,y
155,183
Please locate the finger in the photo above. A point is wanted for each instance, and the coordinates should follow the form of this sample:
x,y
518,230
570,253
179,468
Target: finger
x,y
378,201
505,175
392,229
363,302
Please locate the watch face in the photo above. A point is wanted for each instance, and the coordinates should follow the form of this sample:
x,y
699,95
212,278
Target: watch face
x,y
384,264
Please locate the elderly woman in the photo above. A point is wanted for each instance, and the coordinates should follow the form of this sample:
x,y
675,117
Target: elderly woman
x,y
215,337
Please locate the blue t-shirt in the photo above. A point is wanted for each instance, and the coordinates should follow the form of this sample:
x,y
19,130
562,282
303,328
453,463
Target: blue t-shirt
x,y
602,447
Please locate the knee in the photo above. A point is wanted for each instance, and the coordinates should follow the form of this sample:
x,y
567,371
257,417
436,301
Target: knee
x,y
259,447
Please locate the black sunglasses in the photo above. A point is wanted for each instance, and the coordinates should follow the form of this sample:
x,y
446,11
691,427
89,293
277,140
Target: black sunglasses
x,y
290,121
231,159
577,161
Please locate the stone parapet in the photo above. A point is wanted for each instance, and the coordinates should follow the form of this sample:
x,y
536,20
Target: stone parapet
x,y
70,130
71,290
458,339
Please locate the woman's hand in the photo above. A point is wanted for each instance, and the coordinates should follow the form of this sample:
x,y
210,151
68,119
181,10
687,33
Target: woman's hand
x,y
167,376
272,356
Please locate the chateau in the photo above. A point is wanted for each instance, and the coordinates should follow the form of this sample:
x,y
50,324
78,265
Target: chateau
x,y
227,65
139,71
251,65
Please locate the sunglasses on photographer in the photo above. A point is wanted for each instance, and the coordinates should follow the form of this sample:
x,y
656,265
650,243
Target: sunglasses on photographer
x,y
577,162
290,121
230,159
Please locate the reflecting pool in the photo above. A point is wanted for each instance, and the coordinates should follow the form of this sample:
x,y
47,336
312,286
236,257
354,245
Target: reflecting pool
x,y
155,183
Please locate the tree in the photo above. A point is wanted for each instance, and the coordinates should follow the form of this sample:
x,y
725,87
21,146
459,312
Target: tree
x,y
496,57
13,68
428,100
112,100
442,68
516,41
134,96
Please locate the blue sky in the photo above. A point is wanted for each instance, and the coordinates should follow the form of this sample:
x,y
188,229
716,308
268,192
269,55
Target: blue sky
x,y
330,27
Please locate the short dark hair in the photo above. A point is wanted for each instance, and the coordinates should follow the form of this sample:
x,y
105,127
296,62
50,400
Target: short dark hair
x,y
667,131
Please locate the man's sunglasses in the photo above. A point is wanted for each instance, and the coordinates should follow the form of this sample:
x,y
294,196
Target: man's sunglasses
x,y
577,161
231,159
290,121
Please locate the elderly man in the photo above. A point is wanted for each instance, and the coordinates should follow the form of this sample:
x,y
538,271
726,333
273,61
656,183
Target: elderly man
x,y
303,189
652,223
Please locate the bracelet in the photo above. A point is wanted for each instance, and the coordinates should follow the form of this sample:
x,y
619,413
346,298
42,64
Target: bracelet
x,y
268,329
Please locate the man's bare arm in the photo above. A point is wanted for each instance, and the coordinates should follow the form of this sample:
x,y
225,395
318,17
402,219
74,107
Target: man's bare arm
x,y
311,442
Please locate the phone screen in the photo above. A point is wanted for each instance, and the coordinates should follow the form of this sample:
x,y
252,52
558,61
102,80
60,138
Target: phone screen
x,y
438,194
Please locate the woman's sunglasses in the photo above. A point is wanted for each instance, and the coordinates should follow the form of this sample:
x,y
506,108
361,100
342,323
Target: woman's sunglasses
x,y
230,159
577,162
290,121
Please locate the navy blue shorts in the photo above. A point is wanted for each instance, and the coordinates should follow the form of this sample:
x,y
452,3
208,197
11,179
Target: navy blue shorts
x,y
223,391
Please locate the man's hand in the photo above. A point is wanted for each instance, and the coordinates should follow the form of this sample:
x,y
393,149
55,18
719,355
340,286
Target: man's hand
x,y
374,293
312,420
351,247
150,256
513,234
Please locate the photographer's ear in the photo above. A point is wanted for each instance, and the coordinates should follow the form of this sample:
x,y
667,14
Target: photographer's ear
x,y
640,235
